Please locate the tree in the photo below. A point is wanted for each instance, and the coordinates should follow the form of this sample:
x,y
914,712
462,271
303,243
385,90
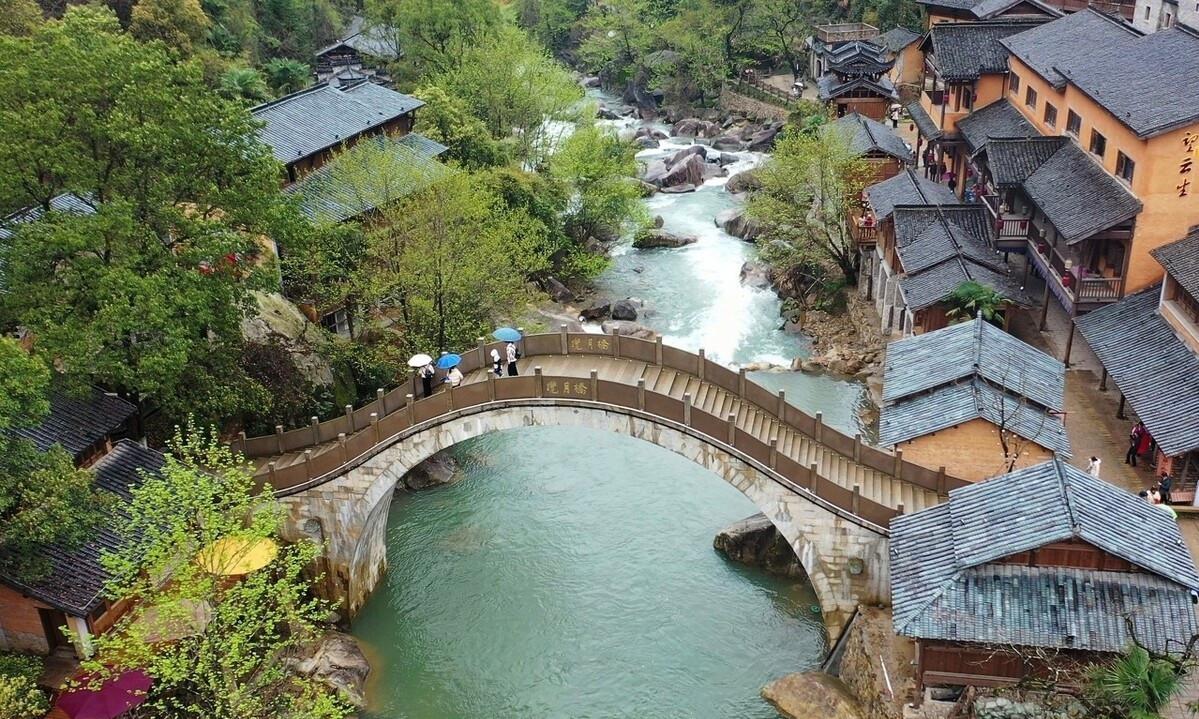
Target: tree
x,y
596,166
448,120
232,639
245,84
20,697
180,24
19,17
1136,685
145,295
44,499
808,187
785,24
617,35
294,28
970,300
436,35
551,22
285,75
703,63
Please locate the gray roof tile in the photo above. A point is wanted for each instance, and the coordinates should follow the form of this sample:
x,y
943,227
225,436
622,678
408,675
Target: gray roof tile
x,y
967,50
322,117
1181,260
78,422
1157,372
999,119
67,202
1012,161
1077,195
897,38
870,136
1050,46
831,87
928,287
906,188
984,9
928,129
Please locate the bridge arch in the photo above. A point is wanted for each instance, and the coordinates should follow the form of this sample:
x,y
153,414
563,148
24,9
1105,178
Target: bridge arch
x,y
844,556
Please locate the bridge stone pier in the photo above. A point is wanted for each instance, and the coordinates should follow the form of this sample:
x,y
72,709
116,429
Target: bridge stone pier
x,y
845,556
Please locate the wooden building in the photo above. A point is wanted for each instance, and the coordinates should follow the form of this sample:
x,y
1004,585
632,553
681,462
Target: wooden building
x,y
972,400
885,151
903,48
33,612
361,53
1148,343
856,80
827,39
1037,571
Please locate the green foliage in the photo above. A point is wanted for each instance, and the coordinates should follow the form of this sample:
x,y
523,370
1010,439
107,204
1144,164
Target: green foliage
x,y
551,21
436,35
180,24
809,185
245,84
21,665
19,17
704,33
595,166
448,120
970,299
230,636
285,75
146,295
617,35
1135,685
294,28
20,698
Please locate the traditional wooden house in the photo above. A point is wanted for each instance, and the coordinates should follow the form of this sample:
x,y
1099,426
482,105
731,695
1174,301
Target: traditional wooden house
x,y
886,152
85,425
949,11
1034,573
973,400
361,53
70,594
903,47
828,38
856,80
1148,343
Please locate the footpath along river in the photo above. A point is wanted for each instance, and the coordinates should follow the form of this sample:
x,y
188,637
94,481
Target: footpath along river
x,y
570,574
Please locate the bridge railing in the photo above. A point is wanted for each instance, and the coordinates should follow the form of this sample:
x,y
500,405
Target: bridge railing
x,y
358,431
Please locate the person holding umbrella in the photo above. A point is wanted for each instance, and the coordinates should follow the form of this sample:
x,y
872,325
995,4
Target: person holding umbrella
x,y
450,362
423,364
511,336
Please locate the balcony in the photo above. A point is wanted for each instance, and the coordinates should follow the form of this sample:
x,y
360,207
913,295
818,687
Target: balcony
x,y
845,32
1011,228
863,232
936,98
1073,286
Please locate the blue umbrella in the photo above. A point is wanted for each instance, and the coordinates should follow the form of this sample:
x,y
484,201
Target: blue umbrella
x,y
447,361
506,334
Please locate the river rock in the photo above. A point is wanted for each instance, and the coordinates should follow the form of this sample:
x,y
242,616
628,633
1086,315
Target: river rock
x,y
645,142
725,159
807,695
727,142
598,310
755,541
743,182
557,291
659,221
628,329
645,189
685,153
688,170
756,275
763,141
624,310
336,661
436,471
606,113
655,171
590,81
651,238
738,224
678,189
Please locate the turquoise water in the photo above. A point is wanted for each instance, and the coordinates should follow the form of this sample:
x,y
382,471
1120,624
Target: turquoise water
x,y
581,583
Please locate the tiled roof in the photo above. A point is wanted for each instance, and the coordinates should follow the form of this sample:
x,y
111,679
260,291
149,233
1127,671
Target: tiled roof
x,y
907,188
928,287
77,422
859,51
831,87
942,556
1181,260
1053,45
1154,369
325,194
322,117
1012,161
1077,195
999,119
75,581
67,202
967,50
953,404
984,9
897,38
976,348
866,136
928,129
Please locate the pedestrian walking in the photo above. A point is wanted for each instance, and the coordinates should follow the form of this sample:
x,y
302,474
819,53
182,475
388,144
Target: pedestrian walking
x,y
426,379
513,355
453,378
496,363
1155,495
1164,486
1134,443
895,117
1093,467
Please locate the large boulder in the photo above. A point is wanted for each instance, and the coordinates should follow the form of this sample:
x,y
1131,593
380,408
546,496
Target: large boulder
x,y
807,695
738,224
624,310
645,142
655,171
598,310
628,329
687,128
606,113
763,141
685,153
557,291
652,238
727,142
436,471
755,541
712,169
756,275
687,171
336,661
743,182
678,189
277,321
590,81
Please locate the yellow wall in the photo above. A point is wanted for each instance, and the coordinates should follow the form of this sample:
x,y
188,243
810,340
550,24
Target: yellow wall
x,y
971,451
908,65
1166,217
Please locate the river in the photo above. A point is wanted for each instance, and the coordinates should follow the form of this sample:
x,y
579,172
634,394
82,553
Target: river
x,y
570,574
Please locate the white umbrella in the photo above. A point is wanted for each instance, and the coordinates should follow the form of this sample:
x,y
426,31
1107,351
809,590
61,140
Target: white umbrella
x,y
419,360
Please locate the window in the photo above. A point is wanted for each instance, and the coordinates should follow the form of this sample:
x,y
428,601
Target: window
x,y
1050,115
1073,123
1098,143
1124,167
1014,84
1030,98
1146,12
337,322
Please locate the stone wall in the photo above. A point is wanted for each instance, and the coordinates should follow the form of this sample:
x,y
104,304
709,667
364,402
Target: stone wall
x,y
734,102
870,643
349,514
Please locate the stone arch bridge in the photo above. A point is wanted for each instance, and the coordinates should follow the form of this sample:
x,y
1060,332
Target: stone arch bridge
x,y
831,495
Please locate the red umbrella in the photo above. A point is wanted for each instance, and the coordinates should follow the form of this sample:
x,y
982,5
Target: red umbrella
x,y
113,698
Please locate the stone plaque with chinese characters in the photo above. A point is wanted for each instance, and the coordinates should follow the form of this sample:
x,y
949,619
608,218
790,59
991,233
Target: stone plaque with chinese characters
x,y
590,344
563,387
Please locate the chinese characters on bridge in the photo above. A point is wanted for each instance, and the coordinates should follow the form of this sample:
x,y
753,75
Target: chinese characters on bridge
x,y
567,388
590,344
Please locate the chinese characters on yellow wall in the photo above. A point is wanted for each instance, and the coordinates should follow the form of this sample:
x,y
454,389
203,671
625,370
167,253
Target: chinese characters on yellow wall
x,y
1190,142
567,388
590,344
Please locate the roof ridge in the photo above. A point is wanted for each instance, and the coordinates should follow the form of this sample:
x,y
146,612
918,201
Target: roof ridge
x,y
1064,482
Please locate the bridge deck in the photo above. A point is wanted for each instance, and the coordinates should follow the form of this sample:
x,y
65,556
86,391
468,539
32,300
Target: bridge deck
x,y
839,468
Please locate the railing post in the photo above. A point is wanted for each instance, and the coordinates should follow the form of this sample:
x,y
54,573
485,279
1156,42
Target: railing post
x,y
315,423
520,344
409,403
941,491
857,448
732,420
658,349
270,473
813,473
641,393
449,394
375,427
349,410
616,345
491,386
898,464
687,408
701,363
782,410
308,464
482,352
774,452
562,334
741,382
539,381
855,503
343,452
241,441
595,385
279,438
818,434
379,393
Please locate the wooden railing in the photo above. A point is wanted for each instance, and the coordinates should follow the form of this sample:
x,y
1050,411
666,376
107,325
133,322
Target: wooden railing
x,y
1006,228
862,233
762,91
1080,288
358,434
845,32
